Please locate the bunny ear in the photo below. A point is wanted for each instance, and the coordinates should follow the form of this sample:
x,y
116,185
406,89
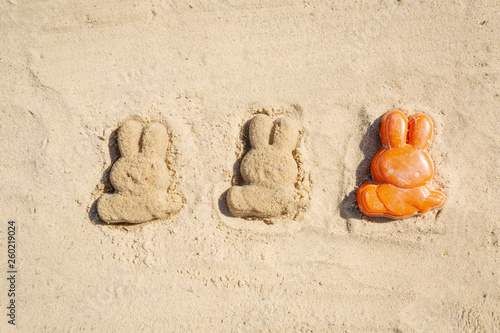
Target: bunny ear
x,y
154,140
260,131
420,130
285,134
129,135
393,129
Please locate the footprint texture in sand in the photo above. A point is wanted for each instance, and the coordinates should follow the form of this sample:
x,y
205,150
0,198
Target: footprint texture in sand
x,y
140,177
269,170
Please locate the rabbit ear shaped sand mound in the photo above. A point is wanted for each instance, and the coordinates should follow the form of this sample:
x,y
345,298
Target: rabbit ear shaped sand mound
x,y
401,170
140,177
268,169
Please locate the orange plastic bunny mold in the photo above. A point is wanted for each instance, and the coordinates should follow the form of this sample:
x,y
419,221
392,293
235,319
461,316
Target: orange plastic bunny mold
x,y
401,170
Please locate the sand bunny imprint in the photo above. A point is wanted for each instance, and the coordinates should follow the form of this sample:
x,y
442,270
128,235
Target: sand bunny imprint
x,y
269,170
140,177
401,169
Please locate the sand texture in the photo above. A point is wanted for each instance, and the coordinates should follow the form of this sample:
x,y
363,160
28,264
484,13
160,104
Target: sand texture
x,y
107,107
269,171
140,177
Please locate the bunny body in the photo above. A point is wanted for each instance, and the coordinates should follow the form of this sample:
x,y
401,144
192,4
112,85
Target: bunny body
x,y
277,169
140,177
401,169
268,169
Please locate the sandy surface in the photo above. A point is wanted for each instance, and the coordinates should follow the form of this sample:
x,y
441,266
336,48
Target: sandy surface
x,y
72,71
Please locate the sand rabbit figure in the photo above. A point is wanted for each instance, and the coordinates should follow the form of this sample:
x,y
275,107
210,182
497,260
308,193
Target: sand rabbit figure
x,y
401,169
140,177
268,169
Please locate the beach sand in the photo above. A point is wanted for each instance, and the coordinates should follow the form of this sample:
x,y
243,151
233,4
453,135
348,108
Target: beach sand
x,y
73,71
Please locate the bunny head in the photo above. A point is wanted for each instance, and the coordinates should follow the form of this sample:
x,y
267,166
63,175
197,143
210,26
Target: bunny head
x,y
142,161
402,161
270,162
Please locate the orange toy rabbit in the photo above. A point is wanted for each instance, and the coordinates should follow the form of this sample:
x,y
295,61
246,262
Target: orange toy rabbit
x,y
401,169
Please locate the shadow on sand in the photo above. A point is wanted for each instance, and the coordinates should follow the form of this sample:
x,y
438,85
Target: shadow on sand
x,y
369,145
